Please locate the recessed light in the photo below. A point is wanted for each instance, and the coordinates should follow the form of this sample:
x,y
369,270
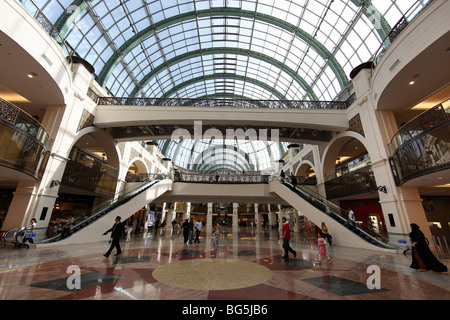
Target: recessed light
x,y
411,83
32,75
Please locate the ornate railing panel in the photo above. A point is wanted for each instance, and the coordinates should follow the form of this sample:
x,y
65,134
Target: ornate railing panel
x,y
352,183
24,144
82,177
21,120
45,23
422,146
404,21
221,178
226,103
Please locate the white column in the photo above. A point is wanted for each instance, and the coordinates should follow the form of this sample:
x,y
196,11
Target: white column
x,y
235,216
188,210
272,217
18,213
403,204
280,215
163,214
258,218
173,212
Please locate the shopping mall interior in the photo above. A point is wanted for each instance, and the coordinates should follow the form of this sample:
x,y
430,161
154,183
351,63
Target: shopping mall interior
x,y
231,114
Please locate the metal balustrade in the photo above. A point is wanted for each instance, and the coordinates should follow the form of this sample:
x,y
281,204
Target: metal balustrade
x,y
422,146
226,103
24,144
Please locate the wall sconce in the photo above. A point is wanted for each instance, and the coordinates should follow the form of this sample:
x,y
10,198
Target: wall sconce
x,y
55,183
382,189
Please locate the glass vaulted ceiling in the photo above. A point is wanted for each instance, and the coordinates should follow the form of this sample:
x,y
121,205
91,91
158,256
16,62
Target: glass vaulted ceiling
x,y
259,49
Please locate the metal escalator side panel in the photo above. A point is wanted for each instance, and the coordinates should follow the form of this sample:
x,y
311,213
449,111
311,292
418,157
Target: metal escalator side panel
x,y
341,234
124,206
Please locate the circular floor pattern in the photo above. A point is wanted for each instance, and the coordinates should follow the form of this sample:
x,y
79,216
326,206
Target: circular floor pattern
x,y
212,274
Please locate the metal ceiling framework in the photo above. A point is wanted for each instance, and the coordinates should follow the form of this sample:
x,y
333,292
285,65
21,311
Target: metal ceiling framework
x,y
258,49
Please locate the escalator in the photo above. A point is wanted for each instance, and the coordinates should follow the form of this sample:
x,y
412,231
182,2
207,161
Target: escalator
x,y
101,218
318,209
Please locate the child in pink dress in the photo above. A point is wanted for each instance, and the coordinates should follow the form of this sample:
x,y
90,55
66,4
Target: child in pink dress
x,y
322,248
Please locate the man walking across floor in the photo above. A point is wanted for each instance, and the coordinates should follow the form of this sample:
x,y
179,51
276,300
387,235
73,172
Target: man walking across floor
x,y
117,232
198,229
286,235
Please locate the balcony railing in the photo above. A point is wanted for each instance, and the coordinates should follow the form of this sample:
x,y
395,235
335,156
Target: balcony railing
x,y
24,144
221,178
352,183
404,21
226,103
80,176
45,23
422,146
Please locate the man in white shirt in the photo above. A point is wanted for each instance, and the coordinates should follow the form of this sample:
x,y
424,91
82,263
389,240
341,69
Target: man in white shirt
x,y
198,229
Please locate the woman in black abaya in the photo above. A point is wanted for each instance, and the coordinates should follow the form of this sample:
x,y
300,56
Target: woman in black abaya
x,y
422,257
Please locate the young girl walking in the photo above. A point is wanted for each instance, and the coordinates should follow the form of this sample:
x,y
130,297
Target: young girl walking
x,y
217,234
322,248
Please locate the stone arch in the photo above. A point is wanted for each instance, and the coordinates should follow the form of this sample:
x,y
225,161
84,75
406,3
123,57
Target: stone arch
x,y
305,168
104,140
336,145
139,164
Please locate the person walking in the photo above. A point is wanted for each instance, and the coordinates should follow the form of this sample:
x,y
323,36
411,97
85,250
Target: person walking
x,y
217,234
422,257
198,229
117,231
293,181
326,233
191,230
286,235
185,228
130,226
322,248
28,232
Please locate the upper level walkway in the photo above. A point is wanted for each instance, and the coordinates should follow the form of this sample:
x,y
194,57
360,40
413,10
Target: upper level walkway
x,y
157,119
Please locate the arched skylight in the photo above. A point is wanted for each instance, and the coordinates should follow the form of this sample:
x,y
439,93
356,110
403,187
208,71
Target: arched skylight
x,y
175,48
246,49
223,154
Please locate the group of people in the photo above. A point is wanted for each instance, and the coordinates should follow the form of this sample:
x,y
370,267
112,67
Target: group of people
x,y
293,178
422,257
190,229
321,242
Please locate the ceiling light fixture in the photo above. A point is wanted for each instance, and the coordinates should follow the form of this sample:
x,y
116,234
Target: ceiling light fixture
x,y
32,75
411,82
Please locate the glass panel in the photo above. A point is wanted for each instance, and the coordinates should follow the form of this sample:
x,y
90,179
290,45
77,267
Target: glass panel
x,y
265,49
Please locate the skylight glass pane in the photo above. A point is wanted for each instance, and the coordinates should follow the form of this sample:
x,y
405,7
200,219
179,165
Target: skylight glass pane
x,y
301,36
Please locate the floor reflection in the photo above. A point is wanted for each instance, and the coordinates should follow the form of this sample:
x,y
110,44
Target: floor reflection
x,y
161,266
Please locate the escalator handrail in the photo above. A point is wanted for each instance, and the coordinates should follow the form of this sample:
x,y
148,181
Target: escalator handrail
x,y
332,213
100,210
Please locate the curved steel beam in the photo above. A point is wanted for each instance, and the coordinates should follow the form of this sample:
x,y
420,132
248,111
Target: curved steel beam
x,y
192,54
68,17
131,43
217,76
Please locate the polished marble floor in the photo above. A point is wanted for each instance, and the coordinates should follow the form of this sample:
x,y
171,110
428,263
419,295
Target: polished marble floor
x,y
247,266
